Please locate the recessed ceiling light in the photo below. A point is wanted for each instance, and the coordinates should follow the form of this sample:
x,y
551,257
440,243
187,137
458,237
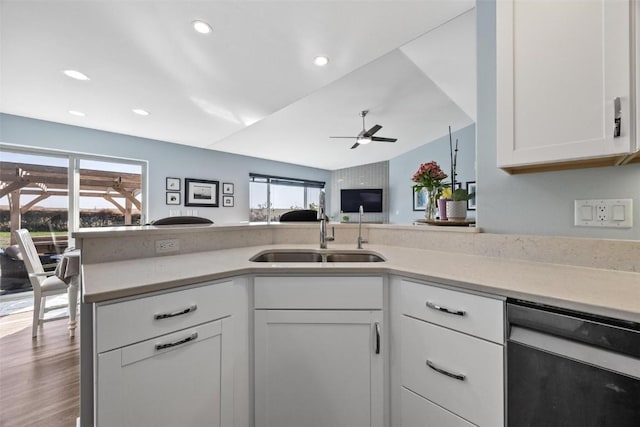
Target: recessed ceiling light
x,y
321,61
76,75
202,27
77,113
140,112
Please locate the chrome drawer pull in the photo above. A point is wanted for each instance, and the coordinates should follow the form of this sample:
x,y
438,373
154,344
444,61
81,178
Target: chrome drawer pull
x,y
460,377
191,337
190,309
445,309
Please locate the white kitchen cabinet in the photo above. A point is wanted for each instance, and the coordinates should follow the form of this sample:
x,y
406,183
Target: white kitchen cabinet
x,y
560,66
167,359
319,367
447,356
179,379
419,412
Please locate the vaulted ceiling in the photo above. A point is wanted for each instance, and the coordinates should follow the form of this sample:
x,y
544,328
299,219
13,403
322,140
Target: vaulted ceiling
x,y
249,87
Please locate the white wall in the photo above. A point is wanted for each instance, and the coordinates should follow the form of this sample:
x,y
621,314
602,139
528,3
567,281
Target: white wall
x,y
164,159
540,203
402,168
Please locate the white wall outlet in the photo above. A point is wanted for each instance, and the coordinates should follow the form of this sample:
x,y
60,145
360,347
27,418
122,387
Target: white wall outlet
x,y
614,213
168,245
602,212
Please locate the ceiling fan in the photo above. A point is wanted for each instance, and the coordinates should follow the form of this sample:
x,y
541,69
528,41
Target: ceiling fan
x,y
366,136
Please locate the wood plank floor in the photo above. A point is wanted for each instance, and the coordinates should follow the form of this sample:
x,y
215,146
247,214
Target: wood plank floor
x,y
39,379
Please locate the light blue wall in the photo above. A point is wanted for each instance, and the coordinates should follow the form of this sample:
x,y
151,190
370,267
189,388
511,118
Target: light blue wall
x,y
540,203
164,159
402,168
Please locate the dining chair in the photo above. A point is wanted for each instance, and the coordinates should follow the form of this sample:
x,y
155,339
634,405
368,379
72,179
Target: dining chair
x,y
44,283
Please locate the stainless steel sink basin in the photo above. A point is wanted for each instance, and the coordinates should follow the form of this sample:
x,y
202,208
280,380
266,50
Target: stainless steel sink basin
x,y
289,256
353,257
316,256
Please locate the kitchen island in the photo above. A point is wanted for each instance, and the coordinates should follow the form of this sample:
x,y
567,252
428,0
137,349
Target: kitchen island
x,y
121,268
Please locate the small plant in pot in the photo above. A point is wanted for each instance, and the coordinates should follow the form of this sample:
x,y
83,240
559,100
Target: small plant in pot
x,y
457,205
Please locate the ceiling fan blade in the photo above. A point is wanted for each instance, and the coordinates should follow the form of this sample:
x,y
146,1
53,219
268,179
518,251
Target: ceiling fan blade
x,y
352,137
379,139
355,145
373,130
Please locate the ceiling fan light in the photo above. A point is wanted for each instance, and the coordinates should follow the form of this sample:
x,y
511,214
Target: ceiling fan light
x,y
364,140
202,27
320,61
74,74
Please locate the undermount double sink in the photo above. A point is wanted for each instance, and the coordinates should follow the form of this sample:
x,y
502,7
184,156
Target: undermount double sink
x,y
316,256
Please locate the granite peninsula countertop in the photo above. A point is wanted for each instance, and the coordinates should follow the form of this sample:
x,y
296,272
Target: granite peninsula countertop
x,y
599,291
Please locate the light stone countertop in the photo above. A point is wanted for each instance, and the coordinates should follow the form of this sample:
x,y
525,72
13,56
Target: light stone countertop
x,y
599,291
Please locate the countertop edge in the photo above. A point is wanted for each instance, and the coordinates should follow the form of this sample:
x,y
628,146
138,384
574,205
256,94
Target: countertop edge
x,y
604,292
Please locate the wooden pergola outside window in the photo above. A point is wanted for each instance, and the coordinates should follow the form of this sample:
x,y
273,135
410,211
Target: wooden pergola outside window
x,y
17,179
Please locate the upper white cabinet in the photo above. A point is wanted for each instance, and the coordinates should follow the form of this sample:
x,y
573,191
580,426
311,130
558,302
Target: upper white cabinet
x,y
564,79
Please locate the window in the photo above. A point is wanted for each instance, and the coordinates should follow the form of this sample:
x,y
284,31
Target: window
x,y
110,193
271,196
53,193
34,195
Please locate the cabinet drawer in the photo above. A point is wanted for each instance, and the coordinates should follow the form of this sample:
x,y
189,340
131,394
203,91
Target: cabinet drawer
x,y
419,412
185,382
432,355
468,313
126,322
318,292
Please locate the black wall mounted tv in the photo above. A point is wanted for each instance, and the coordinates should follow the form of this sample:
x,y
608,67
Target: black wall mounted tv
x,y
370,199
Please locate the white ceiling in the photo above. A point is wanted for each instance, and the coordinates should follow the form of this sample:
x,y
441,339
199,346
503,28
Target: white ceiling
x,y
250,86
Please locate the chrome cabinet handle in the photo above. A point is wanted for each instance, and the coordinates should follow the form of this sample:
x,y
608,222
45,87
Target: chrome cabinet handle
x,y
617,117
445,309
459,377
189,309
191,337
377,343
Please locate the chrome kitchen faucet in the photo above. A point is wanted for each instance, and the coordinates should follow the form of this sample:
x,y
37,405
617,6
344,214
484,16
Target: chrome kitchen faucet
x,y
322,216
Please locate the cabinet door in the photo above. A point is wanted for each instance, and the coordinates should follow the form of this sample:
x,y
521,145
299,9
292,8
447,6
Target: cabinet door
x,y
560,65
179,379
318,368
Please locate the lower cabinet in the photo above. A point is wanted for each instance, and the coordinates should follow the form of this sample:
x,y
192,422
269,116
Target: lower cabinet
x,y
447,361
419,412
318,368
167,359
179,379
458,372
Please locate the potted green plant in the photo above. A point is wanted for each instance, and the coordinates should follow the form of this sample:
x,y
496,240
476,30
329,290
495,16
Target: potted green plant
x,y
457,201
457,205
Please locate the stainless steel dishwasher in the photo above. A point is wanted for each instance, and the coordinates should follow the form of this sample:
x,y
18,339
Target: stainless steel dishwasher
x,y
567,369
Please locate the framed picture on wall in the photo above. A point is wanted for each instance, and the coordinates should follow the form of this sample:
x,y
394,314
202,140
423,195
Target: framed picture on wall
x,y
173,198
227,188
227,201
201,192
471,189
419,199
173,184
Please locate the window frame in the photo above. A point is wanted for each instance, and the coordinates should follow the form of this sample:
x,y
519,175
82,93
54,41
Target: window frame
x,y
280,180
73,169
